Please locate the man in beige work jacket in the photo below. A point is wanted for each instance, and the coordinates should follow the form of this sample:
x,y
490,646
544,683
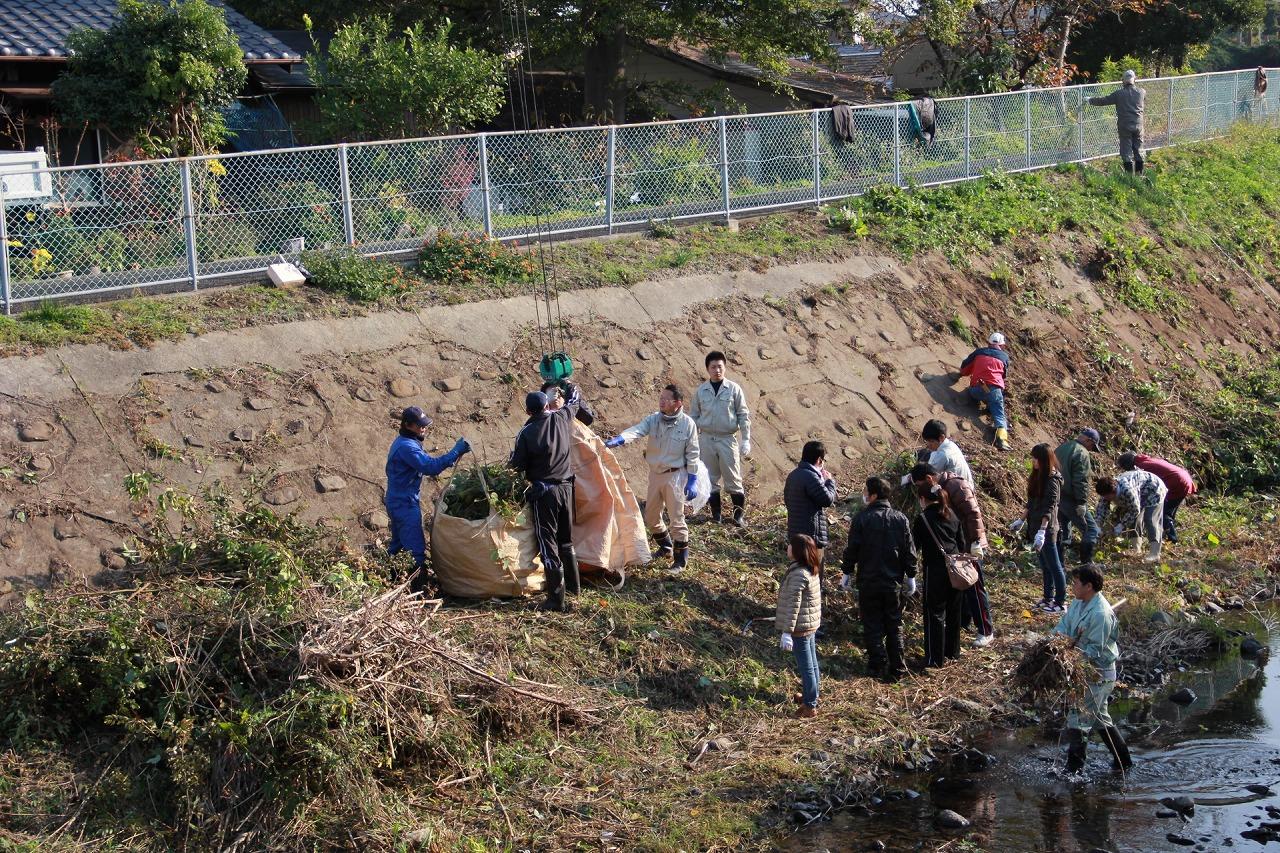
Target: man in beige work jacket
x,y
719,408
672,455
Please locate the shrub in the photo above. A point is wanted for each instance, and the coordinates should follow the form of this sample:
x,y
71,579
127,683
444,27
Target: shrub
x,y
346,272
464,258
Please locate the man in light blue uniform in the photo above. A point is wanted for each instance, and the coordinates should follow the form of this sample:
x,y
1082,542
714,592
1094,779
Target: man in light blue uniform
x,y
407,462
1091,625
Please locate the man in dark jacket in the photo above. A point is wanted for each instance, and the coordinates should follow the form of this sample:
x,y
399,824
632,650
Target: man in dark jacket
x,y
809,490
976,604
1073,509
542,452
986,367
882,557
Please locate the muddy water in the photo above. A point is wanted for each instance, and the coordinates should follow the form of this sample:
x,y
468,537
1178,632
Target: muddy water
x,y
1211,750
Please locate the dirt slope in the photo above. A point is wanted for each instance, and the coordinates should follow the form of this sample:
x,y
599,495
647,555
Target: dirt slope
x,y
858,352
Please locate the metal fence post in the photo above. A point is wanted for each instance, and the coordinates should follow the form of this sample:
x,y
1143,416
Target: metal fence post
x,y
817,161
968,152
344,189
1079,124
897,144
724,167
1204,108
189,224
4,253
1026,123
1168,127
486,197
609,187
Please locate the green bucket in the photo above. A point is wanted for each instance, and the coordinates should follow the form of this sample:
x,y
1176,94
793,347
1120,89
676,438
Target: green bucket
x,y
555,367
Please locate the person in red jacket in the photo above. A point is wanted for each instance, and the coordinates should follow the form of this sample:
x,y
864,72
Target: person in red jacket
x,y
985,368
1178,481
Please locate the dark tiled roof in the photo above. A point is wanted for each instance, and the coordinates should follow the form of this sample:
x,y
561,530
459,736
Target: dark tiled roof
x,y
39,28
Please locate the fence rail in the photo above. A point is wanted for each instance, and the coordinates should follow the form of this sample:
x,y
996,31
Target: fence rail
x,y
182,223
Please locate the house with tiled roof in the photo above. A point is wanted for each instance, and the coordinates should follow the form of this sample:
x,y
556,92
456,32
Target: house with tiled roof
x,y
33,52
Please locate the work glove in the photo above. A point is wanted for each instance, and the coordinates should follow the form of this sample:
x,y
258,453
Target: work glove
x,y
786,643
846,581
1119,531
616,441
744,447
975,550
911,586
461,447
905,481
691,487
1018,525
1038,542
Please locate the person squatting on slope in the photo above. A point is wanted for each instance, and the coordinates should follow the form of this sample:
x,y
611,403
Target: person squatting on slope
x,y
542,453
1138,499
1130,101
1073,510
936,530
671,453
407,463
1177,481
880,559
799,616
963,501
1091,626
719,408
986,367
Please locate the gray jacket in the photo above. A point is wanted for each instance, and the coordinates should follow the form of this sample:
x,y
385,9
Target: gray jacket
x,y
672,446
1130,102
723,413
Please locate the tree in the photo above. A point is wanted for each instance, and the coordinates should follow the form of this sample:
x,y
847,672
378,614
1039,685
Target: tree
x,y
375,84
161,75
1165,34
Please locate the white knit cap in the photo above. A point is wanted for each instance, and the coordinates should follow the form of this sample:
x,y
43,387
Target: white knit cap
x,y
1130,76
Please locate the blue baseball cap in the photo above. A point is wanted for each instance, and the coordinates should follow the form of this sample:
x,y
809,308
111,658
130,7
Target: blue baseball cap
x,y
535,402
1093,435
415,416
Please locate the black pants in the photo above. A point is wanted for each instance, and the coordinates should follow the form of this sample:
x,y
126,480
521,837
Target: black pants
x,y
941,616
1170,522
552,513
881,610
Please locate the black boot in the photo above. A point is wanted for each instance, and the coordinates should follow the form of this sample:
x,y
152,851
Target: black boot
x,y
1086,553
1075,750
664,546
717,514
739,507
1138,164
569,564
1128,167
1121,760
681,557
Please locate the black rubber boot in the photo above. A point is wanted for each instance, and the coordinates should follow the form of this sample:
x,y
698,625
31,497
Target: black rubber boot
x,y
1075,750
681,557
1138,165
1086,553
1121,760
717,514
569,563
739,508
1128,167
664,546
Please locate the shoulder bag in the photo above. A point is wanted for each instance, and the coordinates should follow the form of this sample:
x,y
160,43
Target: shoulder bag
x,y
962,569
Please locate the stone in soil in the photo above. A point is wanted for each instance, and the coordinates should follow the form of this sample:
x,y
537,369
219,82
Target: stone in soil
x,y
1250,647
733,336
113,561
409,361
38,430
448,355
486,375
244,433
376,520
790,438
765,353
947,819
260,404
330,483
6,587
608,382
1182,840
844,427
611,358
1183,696
365,394
402,388
849,452
214,386
448,383
965,426
193,441
643,354
1182,804
282,496
834,324
40,462
204,413
887,335
807,402
800,348
65,528
9,539
446,409
1161,618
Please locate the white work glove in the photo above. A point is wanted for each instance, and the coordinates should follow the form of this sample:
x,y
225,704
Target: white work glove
x,y
911,586
786,643
905,481
845,582
1018,525
1038,542
975,550
744,447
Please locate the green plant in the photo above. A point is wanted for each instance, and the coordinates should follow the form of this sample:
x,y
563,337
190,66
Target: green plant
x,y
846,219
960,329
662,229
453,258
138,484
349,273
1003,277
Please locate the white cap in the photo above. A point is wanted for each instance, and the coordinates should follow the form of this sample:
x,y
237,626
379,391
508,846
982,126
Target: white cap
x,y
996,339
1129,76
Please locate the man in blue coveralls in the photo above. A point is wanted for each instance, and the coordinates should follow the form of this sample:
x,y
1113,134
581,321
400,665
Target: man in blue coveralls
x,y
407,462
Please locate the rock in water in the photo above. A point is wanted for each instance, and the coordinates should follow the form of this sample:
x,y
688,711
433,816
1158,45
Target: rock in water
x,y
1250,647
1181,840
947,819
1182,805
1183,696
1260,790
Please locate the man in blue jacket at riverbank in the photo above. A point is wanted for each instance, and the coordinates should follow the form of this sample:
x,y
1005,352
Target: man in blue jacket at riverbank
x,y
407,463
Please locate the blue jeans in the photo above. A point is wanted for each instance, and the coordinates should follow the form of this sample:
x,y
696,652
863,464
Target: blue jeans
x,y
1055,579
994,398
806,652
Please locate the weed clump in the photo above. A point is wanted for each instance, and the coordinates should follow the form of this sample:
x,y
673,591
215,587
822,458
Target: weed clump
x,y
463,258
346,272
473,492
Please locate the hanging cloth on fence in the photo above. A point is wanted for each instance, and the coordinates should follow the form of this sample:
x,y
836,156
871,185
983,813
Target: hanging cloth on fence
x,y
923,113
842,123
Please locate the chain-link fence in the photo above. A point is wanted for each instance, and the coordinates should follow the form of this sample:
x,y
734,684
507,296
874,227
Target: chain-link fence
x,y
182,223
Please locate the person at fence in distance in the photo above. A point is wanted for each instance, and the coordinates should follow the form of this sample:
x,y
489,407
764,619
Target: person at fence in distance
x,y
1130,101
986,367
719,408
880,559
407,463
672,455
1177,480
799,616
1091,625
542,453
936,531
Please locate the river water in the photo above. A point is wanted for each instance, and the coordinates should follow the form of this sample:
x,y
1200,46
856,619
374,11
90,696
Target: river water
x,y
1211,750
